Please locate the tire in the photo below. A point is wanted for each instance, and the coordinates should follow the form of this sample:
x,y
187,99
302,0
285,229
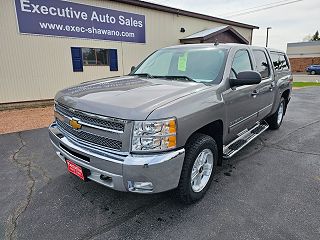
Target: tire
x,y
275,120
312,72
188,192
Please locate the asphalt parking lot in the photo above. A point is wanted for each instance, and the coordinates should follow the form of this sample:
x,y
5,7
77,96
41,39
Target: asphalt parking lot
x,y
270,190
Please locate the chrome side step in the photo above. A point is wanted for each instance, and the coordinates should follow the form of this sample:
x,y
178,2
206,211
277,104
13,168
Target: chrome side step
x,y
244,138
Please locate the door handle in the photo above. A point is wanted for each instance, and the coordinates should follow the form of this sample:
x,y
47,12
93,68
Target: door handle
x,y
254,93
272,85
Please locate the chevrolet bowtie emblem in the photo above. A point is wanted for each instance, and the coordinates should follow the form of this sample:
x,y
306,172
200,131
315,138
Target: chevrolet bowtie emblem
x,y
75,124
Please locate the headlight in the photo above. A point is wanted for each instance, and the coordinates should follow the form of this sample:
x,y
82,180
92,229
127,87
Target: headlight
x,y
154,135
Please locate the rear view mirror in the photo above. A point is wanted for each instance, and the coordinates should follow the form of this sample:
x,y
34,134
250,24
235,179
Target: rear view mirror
x,y
246,78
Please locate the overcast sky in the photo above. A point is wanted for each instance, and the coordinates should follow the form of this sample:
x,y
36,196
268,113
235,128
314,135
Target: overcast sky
x,y
290,23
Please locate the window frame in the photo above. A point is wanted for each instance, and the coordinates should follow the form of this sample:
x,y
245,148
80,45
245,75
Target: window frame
x,y
268,61
216,81
276,53
287,62
250,59
96,56
285,57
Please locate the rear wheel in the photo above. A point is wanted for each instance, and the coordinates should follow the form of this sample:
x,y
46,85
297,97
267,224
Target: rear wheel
x,y
313,72
275,119
198,168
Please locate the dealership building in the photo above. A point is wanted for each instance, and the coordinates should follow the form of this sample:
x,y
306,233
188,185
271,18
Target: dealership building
x,y
47,45
303,54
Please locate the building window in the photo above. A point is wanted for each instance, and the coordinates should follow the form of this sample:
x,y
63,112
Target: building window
x,y
95,57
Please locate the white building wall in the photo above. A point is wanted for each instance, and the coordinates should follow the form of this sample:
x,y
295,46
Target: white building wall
x,y
36,67
303,49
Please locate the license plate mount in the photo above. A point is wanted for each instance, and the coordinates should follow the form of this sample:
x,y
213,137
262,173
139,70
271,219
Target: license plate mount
x,y
76,170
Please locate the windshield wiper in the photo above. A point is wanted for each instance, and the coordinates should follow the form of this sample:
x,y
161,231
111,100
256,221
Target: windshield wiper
x,y
178,77
173,77
143,75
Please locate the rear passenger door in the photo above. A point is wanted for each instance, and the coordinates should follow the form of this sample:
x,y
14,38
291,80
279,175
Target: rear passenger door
x,y
281,65
282,73
265,90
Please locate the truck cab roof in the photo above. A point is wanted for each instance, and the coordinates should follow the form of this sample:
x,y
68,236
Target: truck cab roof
x,y
222,45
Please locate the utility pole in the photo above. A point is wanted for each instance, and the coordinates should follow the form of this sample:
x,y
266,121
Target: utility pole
x,y
267,39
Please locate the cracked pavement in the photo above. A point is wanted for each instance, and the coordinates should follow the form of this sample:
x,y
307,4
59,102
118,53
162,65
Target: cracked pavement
x,y
270,190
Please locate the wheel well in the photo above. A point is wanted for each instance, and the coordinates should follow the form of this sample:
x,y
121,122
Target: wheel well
x,y
286,95
215,130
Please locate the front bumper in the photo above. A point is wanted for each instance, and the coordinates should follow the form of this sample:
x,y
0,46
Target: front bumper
x,y
121,172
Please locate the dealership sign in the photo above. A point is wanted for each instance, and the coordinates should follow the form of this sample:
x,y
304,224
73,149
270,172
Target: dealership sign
x,y
62,18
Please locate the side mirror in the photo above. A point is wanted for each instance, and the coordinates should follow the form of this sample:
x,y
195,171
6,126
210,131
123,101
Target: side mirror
x,y
246,78
133,68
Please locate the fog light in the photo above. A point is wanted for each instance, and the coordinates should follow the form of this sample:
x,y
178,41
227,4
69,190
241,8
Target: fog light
x,y
140,186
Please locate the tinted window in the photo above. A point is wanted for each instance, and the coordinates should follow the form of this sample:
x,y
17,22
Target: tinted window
x,y
275,60
241,62
262,63
283,62
279,61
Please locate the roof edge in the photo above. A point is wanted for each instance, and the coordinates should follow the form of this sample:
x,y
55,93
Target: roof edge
x,y
178,11
301,44
225,29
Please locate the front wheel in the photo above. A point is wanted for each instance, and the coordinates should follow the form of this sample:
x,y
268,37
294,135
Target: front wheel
x,y
275,119
198,168
313,72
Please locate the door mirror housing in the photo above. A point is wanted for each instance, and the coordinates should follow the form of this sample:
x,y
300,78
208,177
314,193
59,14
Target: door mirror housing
x,y
246,78
132,68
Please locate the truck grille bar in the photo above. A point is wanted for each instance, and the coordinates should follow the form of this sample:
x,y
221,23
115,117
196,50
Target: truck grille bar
x,y
91,119
89,137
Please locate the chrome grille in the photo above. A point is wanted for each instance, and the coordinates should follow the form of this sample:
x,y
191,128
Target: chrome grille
x,y
87,118
91,138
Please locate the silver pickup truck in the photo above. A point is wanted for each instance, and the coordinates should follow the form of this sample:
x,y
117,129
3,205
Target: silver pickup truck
x,y
173,119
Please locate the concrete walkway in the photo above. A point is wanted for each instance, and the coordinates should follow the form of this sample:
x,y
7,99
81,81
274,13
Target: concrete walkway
x,y
306,78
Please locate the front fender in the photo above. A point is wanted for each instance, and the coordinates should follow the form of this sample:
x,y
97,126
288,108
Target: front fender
x,y
192,113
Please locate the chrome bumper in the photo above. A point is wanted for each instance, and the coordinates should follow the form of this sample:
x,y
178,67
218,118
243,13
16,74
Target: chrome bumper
x,y
122,172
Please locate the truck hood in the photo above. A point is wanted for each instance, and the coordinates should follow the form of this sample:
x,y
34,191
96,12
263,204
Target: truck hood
x,y
129,97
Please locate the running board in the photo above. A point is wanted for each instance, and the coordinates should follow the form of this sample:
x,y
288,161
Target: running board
x,y
244,138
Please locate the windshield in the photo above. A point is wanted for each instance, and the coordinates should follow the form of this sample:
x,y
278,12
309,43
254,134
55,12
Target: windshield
x,y
191,64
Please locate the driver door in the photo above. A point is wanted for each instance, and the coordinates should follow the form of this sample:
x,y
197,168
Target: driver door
x,y
240,101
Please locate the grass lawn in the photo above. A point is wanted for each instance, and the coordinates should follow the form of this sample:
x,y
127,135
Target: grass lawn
x,y
306,84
